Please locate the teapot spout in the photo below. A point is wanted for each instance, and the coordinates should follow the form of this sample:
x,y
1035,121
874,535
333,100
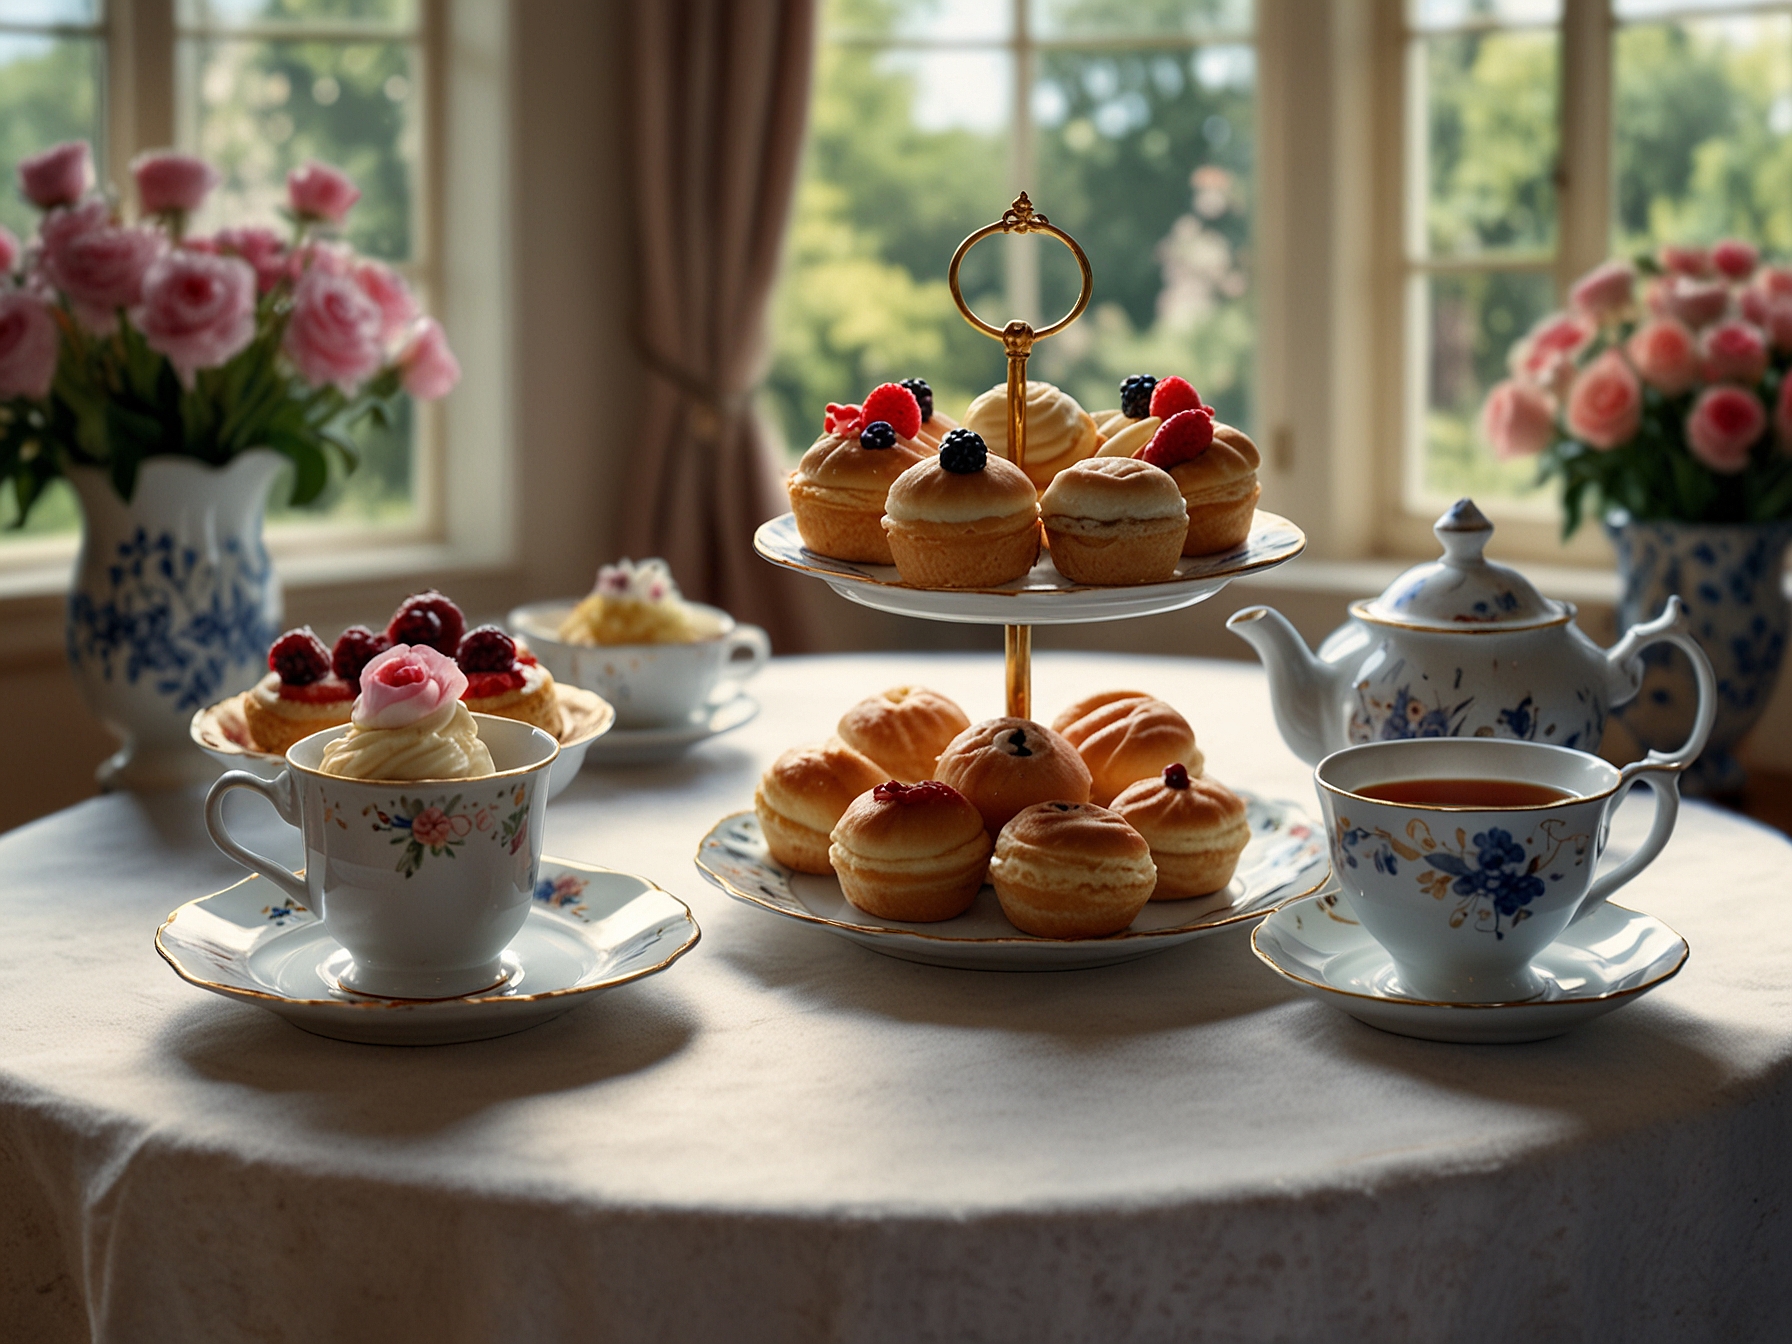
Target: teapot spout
x,y
1300,689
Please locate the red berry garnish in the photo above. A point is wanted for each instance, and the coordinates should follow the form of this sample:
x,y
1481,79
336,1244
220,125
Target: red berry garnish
x,y
428,618
928,790
1176,776
299,657
356,647
896,406
487,649
1181,438
1172,396
841,419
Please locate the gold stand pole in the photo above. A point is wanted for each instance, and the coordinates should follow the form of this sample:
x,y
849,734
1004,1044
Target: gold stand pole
x,y
1017,339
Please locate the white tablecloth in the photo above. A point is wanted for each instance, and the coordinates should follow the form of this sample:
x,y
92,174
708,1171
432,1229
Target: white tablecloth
x,y
786,1137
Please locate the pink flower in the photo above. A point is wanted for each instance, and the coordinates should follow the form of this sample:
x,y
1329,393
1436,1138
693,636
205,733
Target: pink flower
x,y
1666,354
197,309
406,683
334,333
29,342
168,183
1684,260
1605,291
98,265
320,192
1545,357
427,366
1774,281
398,309
1695,302
1724,424
1753,304
1605,406
1734,258
431,827
1517,420
60,175
1777,321
263,249
1735,352
9,250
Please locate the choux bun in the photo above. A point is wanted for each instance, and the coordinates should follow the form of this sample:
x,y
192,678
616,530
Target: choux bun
x,y
802,796
914,852
1124,736
1196,828
1004,765
903,729
1071,870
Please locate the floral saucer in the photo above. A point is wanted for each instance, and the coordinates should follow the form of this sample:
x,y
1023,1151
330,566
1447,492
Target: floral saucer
x,y
1286,858
591,929
1612,957
651,746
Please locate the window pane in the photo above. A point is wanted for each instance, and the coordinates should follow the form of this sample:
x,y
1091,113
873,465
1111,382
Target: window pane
x,y
380,491
1141,18
1471,322
231,13
1703,130
919,20
1489,103
49,91
1632,9
1448,14
1169,138
50,11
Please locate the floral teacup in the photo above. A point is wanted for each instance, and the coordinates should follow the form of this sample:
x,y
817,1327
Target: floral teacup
x,y
424,883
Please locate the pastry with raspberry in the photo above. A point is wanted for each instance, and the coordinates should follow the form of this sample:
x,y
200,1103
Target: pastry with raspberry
x,y
839,489
504,679
301,694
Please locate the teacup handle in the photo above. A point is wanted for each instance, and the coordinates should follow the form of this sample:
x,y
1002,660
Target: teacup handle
x,y
280,792
745,650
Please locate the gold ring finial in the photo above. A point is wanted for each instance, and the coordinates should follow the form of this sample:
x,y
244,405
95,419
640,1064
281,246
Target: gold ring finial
x,y
1020,217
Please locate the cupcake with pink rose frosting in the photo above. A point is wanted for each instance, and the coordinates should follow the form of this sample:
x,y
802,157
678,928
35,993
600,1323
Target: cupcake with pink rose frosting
x,y
409,723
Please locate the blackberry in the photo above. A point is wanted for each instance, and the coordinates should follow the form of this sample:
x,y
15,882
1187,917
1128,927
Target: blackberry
x,y
923,396
487,649
428,618
877,434
356,647
1176,776
963,452
299,657
1135,396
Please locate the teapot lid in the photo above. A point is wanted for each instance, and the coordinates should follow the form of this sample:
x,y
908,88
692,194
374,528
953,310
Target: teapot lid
x,y
1463,588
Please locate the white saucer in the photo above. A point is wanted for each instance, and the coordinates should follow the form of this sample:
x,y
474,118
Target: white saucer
x,y
1611,958
1044,596
1285,858
591,929
651,746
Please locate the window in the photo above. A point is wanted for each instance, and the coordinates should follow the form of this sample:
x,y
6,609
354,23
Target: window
x,y
1132,125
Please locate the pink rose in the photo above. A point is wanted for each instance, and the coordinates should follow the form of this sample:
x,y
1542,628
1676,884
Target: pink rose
x,y
427,366
9,250
1684,260
1517,420
1734,258
1666,354
1774,281
263,249
198,310
1545,357
1605,406
1724,424
431,827
168,183
1753,304
406,683
330,258
60,175
333,335
1697,303
1777,322
1605,291
1734,352
29,342
387,289
97,264
320,192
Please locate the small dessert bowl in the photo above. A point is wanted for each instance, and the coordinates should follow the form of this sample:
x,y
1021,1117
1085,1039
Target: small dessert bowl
x,y
424,882
651,685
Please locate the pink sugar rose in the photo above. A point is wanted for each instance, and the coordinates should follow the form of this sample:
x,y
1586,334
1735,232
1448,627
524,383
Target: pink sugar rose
x,y
1545,357
427,367
406,683
387,289
1605,405
1666,354
29,341
1734,258
169,183
9,250
198,310
1684,260
319,192
99,265
1734,352
1518,420
1605,291
263,249
60,175
333,335
1724,424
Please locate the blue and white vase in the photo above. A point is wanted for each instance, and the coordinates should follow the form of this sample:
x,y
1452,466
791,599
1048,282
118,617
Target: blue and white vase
x,y
173,607
1729,577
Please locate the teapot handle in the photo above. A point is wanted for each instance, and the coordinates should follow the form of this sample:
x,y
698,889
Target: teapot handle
x,y
1673,626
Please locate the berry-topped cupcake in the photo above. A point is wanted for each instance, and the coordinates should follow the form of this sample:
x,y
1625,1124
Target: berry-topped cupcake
x,y
504,679
1059,431
964,519
935,424
1135,405
304,691
838,490
1215,467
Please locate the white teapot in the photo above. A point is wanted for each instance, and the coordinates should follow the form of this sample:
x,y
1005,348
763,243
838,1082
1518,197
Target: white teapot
x,y
1459,647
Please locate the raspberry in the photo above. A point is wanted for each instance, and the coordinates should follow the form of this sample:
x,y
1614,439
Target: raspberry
x,y
427,618
896,405
963,452
877,434
1182,437
1135,396
926,791
1172,396
299,657
840,419
356,647
487,649
1176,776
923,396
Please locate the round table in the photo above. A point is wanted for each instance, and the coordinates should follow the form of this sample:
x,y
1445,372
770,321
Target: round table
x,y
787,1137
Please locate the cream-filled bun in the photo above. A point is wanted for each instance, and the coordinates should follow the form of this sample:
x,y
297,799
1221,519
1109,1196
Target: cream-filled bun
x,y
802,796
903,729
1071,870
914,852
1124,736
1114,520
1059,431
838,490
1196,827
1221,490
1004,765
963,519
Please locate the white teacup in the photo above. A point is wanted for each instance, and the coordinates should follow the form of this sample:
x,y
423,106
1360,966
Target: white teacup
x,y
1463,898
651,685
424,883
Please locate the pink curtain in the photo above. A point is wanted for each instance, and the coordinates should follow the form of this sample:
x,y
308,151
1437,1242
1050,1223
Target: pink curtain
x,y
720,91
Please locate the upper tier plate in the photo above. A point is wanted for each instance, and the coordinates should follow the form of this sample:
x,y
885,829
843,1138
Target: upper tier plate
x,y
1044,596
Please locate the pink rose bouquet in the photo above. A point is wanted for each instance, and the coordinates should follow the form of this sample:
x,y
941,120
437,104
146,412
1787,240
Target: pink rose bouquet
x,y
406,683
1662,389
121,338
